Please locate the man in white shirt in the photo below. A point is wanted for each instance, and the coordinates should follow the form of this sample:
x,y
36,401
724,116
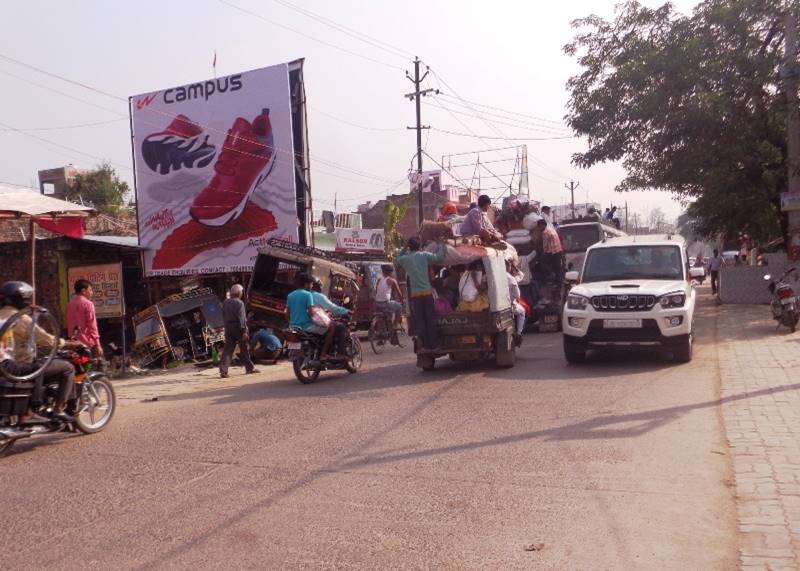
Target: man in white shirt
x,y
388,297
715,262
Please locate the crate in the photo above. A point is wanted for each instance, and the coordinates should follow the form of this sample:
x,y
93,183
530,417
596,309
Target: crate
x,y
14,397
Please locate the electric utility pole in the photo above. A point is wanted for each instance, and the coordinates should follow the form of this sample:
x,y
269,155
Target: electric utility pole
x,y
572,186
416,96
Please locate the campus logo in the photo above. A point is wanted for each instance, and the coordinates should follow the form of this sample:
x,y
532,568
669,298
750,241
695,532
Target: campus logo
x,y
145,101
203,90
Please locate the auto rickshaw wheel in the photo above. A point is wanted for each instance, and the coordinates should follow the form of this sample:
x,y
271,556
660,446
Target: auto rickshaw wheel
x,y
426,362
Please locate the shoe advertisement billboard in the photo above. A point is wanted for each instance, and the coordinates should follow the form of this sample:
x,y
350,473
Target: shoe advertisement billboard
x,y
215,176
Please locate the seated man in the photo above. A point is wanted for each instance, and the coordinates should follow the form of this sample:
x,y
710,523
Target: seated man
x,y
388,297
477,222
322,300
13,297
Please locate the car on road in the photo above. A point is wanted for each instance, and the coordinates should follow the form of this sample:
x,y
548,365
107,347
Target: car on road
x,y
634,291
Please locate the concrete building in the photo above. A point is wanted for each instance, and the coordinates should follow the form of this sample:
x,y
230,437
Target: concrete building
x,y
56,182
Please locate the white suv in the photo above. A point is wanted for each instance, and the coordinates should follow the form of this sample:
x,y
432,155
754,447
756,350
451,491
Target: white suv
x,y
633,291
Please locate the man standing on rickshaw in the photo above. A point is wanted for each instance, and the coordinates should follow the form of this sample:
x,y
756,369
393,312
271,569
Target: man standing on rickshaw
x,y
423,313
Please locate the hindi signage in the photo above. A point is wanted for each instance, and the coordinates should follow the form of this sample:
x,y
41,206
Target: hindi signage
x,y
106,282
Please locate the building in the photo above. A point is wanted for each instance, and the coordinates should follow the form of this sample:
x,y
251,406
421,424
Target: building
x,y
438,188
57,182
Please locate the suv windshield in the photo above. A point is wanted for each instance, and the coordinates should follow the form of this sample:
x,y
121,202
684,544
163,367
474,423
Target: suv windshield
x,y
633,262
579,238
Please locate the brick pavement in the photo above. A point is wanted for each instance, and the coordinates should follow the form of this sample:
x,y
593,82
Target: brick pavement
x,y
760,393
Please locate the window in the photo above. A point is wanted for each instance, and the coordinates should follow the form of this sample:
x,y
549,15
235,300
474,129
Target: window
x,y
633,262
579,238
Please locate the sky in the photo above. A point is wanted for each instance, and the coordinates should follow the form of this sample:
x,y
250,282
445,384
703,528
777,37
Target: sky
x,y
483,57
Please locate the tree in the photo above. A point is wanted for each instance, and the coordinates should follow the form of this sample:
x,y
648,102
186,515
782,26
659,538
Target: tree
x,y
691,105
100,189
393,214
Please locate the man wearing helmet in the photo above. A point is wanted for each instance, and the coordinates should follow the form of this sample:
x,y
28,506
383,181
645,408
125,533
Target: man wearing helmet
x,y
13,297
339,330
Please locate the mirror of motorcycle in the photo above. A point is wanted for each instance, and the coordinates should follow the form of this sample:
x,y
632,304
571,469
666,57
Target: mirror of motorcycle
x,y
767,277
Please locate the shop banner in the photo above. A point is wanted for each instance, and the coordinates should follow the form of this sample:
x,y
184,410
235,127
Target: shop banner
x,y
106,282
215,175
359,240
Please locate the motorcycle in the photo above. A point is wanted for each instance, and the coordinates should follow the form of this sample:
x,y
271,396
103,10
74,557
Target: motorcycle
x,y
92,404
304,351
784,302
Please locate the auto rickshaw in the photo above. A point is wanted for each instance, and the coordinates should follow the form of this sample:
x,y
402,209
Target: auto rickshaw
x,y
182,326
476,335
273,277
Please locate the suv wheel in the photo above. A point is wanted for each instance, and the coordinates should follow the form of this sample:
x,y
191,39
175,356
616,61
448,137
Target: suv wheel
x,y
682,352
574,352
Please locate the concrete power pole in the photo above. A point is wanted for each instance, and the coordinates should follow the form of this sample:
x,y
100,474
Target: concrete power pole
x,y
415,96
572,186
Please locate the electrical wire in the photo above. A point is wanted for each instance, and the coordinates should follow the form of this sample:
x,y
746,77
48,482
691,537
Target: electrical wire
x,y
65,127
308,36
352,124
502,138
511,121
456,100
542,130
375,42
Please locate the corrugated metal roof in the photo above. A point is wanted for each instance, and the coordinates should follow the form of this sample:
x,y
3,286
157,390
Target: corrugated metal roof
x,y
15,202
122,241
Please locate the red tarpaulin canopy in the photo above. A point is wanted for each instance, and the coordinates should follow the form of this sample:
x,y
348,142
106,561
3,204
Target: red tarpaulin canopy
x,y
51,214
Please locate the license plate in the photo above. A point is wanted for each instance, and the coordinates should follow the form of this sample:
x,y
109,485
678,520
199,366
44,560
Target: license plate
x,y
469,340
293,346
622,323
789,300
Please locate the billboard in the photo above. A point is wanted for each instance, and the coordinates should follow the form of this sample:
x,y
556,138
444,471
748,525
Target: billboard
x,y
215,171
348,240
107,285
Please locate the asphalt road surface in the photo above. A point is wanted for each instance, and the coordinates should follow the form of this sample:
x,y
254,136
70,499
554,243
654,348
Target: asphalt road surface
x,y
617,464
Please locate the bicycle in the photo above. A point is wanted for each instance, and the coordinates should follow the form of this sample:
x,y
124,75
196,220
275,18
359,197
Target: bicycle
x,y
382,331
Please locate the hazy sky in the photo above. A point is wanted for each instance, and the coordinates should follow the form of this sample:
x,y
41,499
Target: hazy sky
x,y
505,54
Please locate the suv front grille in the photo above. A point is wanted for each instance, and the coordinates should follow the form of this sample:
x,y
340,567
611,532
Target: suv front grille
x,y
623,302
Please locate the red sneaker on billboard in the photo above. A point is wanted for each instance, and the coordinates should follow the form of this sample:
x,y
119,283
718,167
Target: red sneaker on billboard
x,y
246,160
179,145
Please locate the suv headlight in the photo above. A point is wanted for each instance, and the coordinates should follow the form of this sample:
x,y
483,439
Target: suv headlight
x,y
575,301
674,299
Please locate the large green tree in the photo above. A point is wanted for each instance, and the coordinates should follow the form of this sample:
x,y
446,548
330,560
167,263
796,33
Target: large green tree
x,y
691,105
101,189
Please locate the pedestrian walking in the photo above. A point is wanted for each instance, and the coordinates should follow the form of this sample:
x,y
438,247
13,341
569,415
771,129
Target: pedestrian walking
x,y
233,315
714,264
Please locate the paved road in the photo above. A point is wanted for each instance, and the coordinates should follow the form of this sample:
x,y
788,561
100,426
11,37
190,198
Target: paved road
x,y
617,464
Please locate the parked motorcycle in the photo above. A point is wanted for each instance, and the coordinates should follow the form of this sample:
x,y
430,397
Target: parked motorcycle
x,y
92,405
784,302
304,350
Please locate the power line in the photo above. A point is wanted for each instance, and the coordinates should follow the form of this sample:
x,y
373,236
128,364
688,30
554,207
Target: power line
x,y
352,124
309,36
546,130
503,138
375,42
561,123
511,121
65,127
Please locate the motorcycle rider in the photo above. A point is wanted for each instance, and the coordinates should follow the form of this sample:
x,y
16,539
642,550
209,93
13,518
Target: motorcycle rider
x,y
322,300
14,296
300,306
